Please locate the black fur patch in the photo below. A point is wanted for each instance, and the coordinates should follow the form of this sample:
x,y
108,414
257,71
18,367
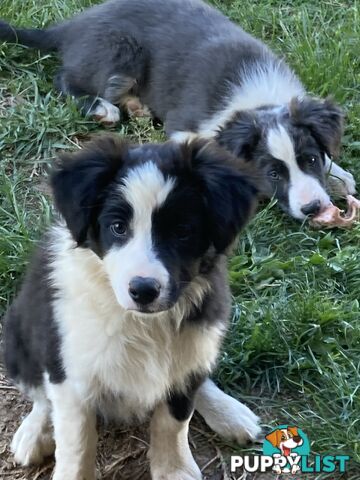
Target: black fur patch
x,y
31,338
80,184
181,405
241,135
323,119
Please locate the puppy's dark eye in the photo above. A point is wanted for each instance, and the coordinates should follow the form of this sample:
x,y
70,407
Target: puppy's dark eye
x,y
312,161
274,175
119,229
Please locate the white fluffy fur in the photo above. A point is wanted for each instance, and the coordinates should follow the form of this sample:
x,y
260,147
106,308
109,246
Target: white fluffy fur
x,y
261,85
303,188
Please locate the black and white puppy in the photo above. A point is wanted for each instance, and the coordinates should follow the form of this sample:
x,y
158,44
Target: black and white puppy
x,y
126,301
201,74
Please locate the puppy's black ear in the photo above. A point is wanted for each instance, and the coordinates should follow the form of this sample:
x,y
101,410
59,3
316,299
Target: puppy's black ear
x,y
323,118
79,182
241,135
230,193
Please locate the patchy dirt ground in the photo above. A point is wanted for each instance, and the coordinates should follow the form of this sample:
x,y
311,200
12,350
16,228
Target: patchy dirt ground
x,y
121,451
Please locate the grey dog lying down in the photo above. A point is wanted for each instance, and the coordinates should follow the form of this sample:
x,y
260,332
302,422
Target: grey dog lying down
x,y
201,74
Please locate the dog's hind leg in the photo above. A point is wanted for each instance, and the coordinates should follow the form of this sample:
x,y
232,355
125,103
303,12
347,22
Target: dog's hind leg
x,y
102,79
225,415
121,90
89,105
34,441
128,65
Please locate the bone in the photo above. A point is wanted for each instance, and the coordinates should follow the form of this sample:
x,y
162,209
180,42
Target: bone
x,y
332,216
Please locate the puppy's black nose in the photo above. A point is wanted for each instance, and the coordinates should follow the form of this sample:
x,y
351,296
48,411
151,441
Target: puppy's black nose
x,y
144,290
311,208
297,439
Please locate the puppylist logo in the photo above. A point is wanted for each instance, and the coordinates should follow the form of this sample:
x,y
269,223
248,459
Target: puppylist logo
x,y
286,449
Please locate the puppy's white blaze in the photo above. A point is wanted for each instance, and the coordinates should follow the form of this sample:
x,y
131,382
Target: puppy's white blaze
x,y
303,188
269,84
145,189
281,146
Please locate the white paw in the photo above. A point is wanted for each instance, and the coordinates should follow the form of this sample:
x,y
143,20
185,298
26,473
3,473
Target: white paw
x,y
234,421
343,183
106,112
68,472
186,473
349,182
30,445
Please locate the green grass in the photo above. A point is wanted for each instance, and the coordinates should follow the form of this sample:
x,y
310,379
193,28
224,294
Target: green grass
x,y
293,349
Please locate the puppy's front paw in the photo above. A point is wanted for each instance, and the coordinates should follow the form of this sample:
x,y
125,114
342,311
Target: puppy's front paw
x,y
350,183
30,445
225,415
185,473
68,473
234,421
342,184
173,465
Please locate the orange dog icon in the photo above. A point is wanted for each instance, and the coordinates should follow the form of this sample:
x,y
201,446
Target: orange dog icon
x,y
285,439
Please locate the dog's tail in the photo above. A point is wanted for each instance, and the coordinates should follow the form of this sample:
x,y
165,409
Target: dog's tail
x,y
30,37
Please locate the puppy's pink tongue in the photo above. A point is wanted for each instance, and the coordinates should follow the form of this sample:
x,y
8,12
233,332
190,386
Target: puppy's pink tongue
x,y
332,216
